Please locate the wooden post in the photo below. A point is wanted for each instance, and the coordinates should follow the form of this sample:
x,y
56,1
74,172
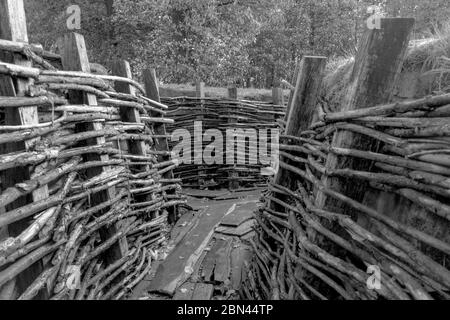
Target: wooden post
x,y
278,96
161,144
291,94
200,93
13,27
233,92
122,69
200,89
74,58
304,102
377,67
233,174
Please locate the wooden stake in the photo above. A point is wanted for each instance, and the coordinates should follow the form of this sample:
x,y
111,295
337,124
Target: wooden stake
x,y
233,93
74,58
304,102
278,96
200,89
13,27
291,94
122,69
200,93
376,70
161,144
234,183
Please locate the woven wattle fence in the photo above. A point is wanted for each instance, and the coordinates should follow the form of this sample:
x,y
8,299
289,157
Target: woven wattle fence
x,y
102,213
361,206
222,114
321,254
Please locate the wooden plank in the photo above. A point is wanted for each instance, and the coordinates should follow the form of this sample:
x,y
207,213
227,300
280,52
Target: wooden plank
x,y
209,262
239,255
375,73
74,58
241,214
223,264
203,292
13,27
185,292
246,238
240,231
183,226
184,257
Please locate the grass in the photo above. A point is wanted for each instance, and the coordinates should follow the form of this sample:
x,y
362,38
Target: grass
x,y
177,90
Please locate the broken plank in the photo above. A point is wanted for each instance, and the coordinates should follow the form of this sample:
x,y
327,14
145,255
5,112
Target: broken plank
x,y
184,257
209,262
215,263
248,236
197,267
203,292
185,292
239,255
222,269
210,194
240,231
184,225
243,213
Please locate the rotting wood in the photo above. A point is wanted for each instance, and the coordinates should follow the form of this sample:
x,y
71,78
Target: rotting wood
x,y
161,144
74,58
374,76
302,104
13,27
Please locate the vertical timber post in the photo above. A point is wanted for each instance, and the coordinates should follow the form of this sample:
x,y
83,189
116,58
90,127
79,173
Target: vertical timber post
x,y
233,174
161,143
233,93
376,70
200,90
200,94
74,58
292,91
122,69
278,96
13,27
277,100
304,102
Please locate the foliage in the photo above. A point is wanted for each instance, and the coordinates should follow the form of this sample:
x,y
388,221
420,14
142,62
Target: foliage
x,y
222,41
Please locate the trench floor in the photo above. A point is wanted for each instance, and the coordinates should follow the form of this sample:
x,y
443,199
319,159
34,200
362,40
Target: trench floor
x,y
208,249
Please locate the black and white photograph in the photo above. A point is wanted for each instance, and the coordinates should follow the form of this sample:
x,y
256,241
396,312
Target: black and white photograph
x,y
224,158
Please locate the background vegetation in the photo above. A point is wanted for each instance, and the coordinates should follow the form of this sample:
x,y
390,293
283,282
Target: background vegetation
x,y
223,41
